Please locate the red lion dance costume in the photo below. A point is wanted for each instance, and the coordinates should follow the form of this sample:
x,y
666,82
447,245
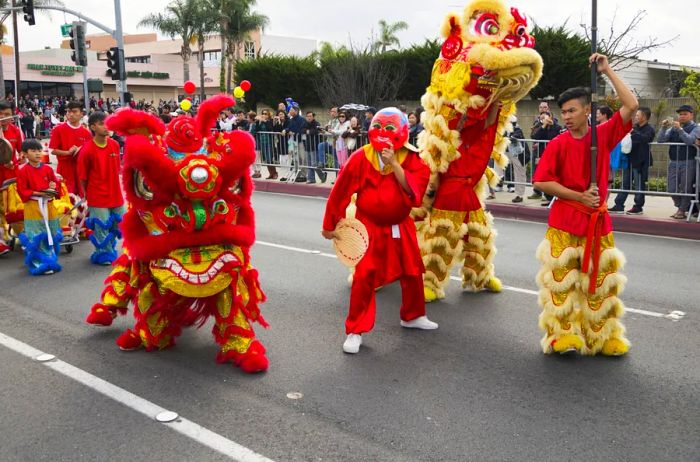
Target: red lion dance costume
x,y
487,64
187,236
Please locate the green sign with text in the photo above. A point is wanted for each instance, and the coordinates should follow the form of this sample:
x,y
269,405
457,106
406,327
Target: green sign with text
x,y
50,69
66,29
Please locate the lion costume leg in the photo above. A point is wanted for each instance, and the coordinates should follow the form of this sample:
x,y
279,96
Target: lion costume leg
x,y
441,243
479,251
572,319
602,310
233,331
116,296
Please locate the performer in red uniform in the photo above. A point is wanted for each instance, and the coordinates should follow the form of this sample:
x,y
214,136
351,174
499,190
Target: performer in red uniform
x,y
579,280
9,170
66,140
389,179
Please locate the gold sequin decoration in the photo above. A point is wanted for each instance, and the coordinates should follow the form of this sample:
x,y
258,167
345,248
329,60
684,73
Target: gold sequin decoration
x,y
238,344
224,302
456,217
145,298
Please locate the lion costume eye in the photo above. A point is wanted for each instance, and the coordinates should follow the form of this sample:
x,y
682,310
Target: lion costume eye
x,y
141,188
485,24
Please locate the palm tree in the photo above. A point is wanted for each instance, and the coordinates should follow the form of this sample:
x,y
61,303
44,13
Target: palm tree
x,y
236,22
179,20
3,31
387,35
205,25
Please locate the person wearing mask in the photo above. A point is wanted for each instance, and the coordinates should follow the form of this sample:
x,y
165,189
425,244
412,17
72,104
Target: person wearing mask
x,y
640,159
681,168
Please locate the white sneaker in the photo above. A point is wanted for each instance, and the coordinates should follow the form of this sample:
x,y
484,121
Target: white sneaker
x,y
420,323
48,272
352,343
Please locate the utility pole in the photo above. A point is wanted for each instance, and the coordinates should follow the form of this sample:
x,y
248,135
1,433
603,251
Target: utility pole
x,y
119,36
16,36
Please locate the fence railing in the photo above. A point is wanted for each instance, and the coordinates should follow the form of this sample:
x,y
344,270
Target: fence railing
x,y
301,157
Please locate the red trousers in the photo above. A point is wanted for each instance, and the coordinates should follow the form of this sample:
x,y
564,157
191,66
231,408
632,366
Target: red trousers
x,y
363,306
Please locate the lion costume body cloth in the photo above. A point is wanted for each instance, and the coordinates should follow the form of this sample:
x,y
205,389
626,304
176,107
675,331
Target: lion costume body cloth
x,y
187,235
486,65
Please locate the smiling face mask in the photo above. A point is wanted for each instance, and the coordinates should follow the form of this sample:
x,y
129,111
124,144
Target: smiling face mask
x,y
388,129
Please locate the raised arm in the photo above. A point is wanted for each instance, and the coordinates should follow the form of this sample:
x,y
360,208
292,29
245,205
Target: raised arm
x,y
627,98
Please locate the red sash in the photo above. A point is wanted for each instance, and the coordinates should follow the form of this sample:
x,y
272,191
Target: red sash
x,y
594,235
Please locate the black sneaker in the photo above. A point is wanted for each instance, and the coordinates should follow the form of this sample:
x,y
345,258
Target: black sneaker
x,y
635,211
617,209
517,199
300,179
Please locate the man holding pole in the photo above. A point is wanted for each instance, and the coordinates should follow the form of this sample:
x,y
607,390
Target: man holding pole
x,y
579,280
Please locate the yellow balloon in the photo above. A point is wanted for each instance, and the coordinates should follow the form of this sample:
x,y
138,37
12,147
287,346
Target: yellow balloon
x,y
185,105
238,92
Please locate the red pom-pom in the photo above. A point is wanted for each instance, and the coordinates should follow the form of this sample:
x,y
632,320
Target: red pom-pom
x,y
190,87
245,85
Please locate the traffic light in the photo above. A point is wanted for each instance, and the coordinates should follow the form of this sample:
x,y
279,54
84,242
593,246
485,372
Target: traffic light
x,y
77,44
28,9
115,63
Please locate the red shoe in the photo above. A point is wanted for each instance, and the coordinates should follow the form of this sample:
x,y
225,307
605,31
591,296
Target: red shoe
x,y
100,315
250,362
129,340
4,248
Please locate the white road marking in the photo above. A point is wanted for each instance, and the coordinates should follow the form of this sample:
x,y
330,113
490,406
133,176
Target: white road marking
x,y
518,220
673,316
183,426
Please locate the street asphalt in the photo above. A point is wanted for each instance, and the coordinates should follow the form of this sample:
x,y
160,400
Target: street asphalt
x,y
477,389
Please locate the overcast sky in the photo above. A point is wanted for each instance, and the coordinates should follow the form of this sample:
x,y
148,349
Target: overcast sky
x,y
336,21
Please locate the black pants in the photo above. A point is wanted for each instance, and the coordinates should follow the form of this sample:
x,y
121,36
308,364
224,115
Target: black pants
x,y
637,177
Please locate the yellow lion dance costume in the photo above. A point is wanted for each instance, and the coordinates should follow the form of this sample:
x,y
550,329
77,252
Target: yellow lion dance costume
x,y
487,64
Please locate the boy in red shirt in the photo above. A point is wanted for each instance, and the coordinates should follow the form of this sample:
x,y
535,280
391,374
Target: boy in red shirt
x,y
579,280
98,172
37,186
66,140
9,170
389,179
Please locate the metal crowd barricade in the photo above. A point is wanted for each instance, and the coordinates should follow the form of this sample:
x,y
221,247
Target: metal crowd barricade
x,y
295,156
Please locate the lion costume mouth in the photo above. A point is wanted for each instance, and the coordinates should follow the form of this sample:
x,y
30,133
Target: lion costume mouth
x,y
198,271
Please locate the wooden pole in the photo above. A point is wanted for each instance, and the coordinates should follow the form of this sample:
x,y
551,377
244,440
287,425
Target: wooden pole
x,y
594,94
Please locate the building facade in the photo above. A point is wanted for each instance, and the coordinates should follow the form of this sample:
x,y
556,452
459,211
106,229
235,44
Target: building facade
x,y
154,67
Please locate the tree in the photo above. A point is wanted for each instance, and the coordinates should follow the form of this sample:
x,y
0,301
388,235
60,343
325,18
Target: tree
x,y
3,30
387,35
236,22
204,25
691,86
179,20
279,77
359,77
621,48
565,55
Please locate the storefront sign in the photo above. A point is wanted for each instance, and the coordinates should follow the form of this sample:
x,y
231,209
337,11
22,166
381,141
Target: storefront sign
x,y
50,69
147,75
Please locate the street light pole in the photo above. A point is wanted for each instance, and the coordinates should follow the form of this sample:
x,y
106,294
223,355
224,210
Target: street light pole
x,y
16,36
119,36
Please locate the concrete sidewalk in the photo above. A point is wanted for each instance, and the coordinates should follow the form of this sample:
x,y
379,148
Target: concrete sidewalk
x,y
655,221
